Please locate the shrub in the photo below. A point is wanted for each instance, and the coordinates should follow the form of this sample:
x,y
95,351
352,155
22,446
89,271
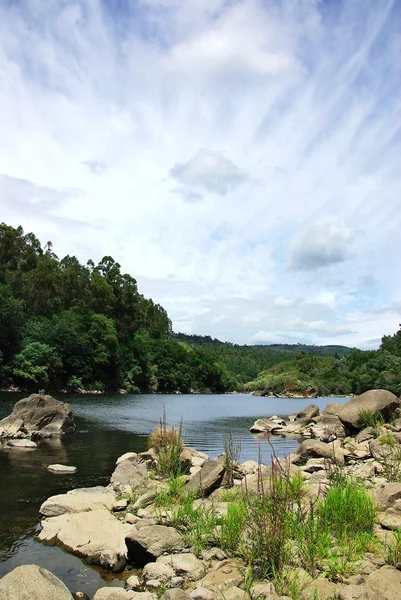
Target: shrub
x,y
370,418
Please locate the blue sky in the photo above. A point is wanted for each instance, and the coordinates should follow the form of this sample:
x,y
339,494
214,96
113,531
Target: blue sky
x,y
240,158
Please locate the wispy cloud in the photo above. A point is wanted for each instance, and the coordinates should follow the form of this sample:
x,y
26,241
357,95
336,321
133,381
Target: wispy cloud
x,y
277,123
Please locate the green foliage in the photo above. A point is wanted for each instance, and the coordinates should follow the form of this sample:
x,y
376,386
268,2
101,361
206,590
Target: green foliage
x,y
393,553
37,363
232,525
168,444
370,418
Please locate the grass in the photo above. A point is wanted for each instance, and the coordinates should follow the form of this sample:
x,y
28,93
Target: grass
x,y
370,418
393,554
232,526
168,444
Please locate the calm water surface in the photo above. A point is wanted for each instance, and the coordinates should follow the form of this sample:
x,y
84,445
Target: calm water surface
x,y
108,426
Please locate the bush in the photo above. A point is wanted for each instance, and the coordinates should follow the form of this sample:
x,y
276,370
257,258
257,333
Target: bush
x,y
168,445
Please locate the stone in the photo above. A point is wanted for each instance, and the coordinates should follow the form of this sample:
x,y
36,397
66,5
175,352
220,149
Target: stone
x,y
146,544
308,413
249,466
148,497
314,464
201,593
320,588
163,573
251,483
38,416
316,449
358,592
118,593
79,500
61,469
264,589
97,536
386,580
327,428
364,435
226,573
175,594
380,451
375,400
185,564
233,592
131,519
120,505
153,584
129,475
133,582
30,582
18,443
126,456
386,495
265,425
333,408
186,460
208,478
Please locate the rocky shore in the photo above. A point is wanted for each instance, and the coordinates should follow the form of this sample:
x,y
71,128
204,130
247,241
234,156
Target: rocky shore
x,y
193,535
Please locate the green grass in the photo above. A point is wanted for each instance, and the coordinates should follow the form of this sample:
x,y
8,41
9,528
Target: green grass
x,y
370,418
232,526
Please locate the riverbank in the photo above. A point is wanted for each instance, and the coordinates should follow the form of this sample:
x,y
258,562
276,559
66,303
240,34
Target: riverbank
x,y
317,524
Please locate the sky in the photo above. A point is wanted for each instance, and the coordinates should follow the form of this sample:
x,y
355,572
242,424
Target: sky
x,y
240,158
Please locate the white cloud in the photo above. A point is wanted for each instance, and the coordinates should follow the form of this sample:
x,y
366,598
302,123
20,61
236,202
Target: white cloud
x,y
321,244
283,143
211,171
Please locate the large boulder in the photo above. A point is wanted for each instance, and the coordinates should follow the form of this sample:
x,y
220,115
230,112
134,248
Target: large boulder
x,y
148,543
387,581
327,428
374,400
333,408
97,536
38,416
308,413
208,478
30,582
79,500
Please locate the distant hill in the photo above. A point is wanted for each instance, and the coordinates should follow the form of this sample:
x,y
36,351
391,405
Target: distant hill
x,y
329,350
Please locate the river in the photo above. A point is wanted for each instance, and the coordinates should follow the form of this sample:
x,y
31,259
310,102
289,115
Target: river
x,y
108,426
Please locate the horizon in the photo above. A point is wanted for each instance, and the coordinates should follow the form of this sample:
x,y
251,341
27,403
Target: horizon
x,y
239,159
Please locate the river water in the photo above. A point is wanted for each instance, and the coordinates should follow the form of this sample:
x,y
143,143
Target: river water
x,y
108,426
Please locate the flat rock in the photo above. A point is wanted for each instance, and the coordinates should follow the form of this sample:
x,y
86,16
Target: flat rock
x,y
30,582
175,594
117,593
18,443
266,425
61,469
185,564
201,593
308,413
316,449
208,478
146,544
227,573
387,581
97,536
374,400
79,500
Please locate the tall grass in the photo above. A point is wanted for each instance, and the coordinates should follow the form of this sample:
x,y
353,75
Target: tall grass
x,y
168,444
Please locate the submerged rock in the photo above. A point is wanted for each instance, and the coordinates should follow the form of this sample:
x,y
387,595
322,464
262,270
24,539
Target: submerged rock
x,y
38,416
61,469
30,582
22,444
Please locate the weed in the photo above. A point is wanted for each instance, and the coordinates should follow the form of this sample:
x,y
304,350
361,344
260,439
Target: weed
x,y
370,418
232,451
230,494
393,555
232,526
168,445
387,438
198,525
392,464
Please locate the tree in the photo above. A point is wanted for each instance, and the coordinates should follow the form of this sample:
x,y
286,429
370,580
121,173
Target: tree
x,y
37,364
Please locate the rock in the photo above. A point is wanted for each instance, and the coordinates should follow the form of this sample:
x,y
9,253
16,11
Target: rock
x,y
126,456
314,464
130,474
97,536
40,416
387,581
216,553
208,478
265,425
388,495
201,593
327,428
30,582
146,544
375,400
163,573
227,573
358,451
264,589
148,498
320,588
133,582
333,408
308,413
131,519
316,449
249,466
365,435
175,594
186,460
380,451
358,592
251,483
61,469
117,593
79,500
185,564
22,444
233,592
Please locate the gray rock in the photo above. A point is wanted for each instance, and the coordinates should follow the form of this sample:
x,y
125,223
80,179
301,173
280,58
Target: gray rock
x,y
201,593
79,500
375,400
387,581
129,475
308,413
327,428
126,456
316,449
97,536
163,573
185,564
146,544
117,593
333,408
266,425
61,469
133,582
175,594
208,478
38,415
30,582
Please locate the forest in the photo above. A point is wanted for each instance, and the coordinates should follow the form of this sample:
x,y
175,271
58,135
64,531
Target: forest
x,y
69,326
